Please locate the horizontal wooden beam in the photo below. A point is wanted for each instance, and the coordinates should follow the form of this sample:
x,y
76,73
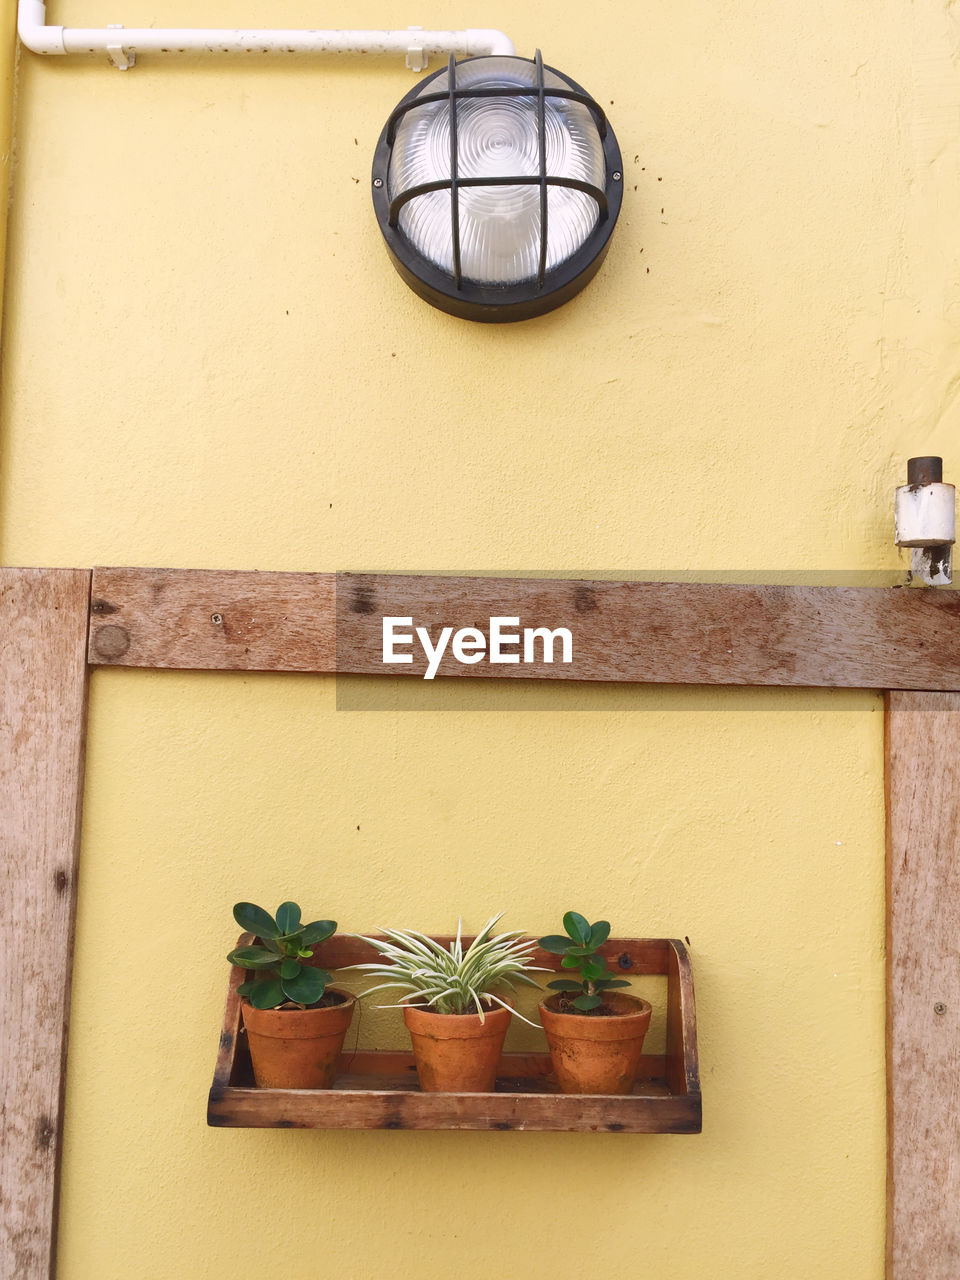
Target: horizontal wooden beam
x,y
646,632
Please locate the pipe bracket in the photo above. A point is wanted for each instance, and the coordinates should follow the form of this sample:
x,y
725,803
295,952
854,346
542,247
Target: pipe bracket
x,y
121,58
417,59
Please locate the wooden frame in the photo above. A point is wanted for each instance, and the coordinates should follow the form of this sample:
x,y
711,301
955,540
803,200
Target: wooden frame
x,y
891,639
376,1089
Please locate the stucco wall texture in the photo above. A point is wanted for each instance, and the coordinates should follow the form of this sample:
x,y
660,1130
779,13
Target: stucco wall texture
x,y
208,361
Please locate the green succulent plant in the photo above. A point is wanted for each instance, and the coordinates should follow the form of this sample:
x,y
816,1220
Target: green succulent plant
x,y
284,944
451,980
579,950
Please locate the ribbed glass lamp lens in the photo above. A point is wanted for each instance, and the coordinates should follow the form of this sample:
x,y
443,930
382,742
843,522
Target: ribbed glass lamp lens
x,y
497,184
497,137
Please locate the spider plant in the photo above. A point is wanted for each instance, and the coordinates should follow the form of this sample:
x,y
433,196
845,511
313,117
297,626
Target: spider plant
x,y
451,979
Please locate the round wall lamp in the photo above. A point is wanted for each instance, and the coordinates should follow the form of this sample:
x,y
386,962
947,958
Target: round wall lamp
x,y
497,183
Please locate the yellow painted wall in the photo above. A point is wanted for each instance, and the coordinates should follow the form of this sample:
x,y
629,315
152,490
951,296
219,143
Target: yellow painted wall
x,y
208,361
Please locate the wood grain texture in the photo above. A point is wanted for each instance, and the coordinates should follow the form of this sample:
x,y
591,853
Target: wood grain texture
x,y
631,956
923,997
378,1089
683,1068
686,633
396,1109
43,681
202,619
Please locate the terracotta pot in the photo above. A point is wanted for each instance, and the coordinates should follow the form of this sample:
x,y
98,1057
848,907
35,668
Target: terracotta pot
x,y
297,1048
456,1052
598,1053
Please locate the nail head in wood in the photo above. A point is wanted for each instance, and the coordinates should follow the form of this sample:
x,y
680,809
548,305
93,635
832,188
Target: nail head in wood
x,y
111,642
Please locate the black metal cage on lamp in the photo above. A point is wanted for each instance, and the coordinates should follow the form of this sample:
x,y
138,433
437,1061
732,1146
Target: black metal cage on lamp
x,y
497,183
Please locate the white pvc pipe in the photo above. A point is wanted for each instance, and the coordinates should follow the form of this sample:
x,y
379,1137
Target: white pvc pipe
x,y
416,44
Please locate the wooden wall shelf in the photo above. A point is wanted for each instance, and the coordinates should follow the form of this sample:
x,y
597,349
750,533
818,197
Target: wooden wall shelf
x,y
378,1089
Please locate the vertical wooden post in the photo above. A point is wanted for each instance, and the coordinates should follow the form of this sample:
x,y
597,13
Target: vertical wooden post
x,y
43,685
923,986
8,61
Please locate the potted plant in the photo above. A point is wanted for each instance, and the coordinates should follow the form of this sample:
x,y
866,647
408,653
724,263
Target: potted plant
x,y
295,1022
457,1022
595,1033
